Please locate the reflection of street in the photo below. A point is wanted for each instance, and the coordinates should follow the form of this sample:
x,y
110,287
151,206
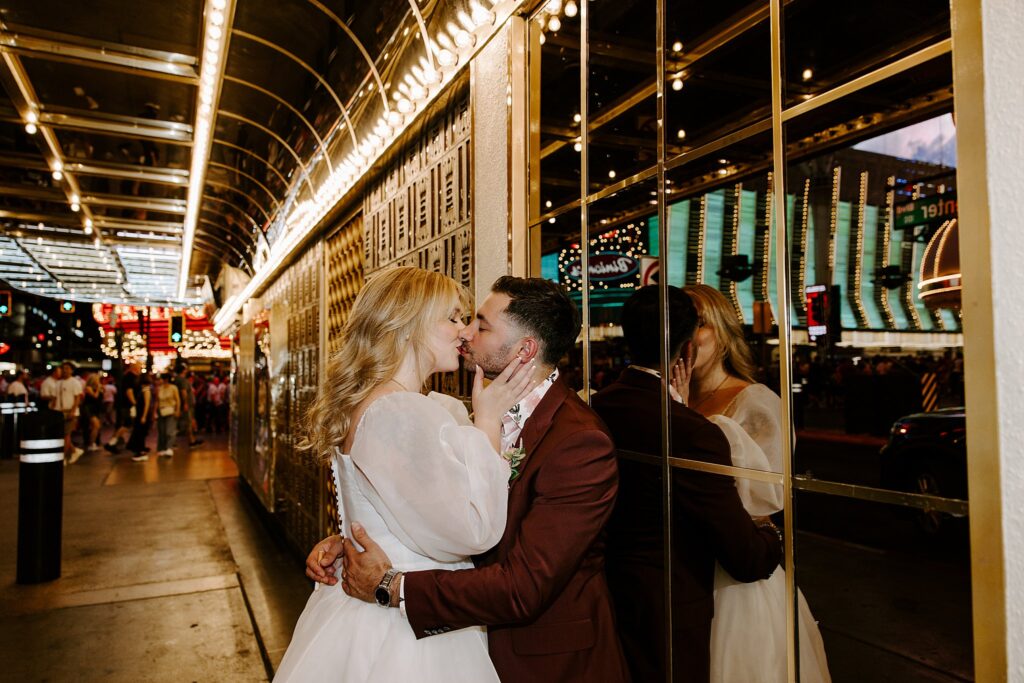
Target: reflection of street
x,y
893,604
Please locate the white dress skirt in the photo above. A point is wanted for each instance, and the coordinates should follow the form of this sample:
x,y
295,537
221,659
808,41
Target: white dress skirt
x,y
748,633
429,488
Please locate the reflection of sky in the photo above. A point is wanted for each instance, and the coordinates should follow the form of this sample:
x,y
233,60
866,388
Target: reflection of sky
x,y
932,141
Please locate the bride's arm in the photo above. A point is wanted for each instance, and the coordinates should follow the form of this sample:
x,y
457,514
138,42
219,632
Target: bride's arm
x,y
443,483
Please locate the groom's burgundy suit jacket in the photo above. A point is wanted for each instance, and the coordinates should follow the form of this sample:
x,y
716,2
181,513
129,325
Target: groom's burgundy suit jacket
x,y
542,589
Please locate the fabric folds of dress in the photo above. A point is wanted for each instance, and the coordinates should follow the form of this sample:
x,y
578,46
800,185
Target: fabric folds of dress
x,y
748,632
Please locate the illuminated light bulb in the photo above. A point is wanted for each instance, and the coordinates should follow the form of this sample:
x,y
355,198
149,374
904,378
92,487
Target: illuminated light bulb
x,y
542,39
551,220
88,229
212,44
216,17
211,58
547,204
577,118
31,128
681,134
215,32
577,146
32,116
446,58
395,119
807,74
218,4
404,106
571,9
611,174
677,46
480,14
75,207
677,84
465,39
57,175
554,24
417,92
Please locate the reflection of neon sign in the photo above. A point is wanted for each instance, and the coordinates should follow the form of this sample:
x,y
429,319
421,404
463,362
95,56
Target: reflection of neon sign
x,y
613,263
609,266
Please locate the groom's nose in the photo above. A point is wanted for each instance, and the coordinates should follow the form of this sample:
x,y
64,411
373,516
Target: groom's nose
x,y
468,332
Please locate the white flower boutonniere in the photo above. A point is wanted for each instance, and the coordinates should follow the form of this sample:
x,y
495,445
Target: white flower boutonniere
x,y
514,457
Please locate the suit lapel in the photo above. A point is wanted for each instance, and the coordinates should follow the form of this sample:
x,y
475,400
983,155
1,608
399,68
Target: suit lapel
x,y
539,422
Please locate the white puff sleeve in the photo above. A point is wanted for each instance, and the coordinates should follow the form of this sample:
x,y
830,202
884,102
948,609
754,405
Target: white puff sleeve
x,y
753,425
440,479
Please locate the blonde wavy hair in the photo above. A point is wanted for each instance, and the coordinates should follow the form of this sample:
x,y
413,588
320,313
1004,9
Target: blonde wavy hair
x,y
730,345
393,312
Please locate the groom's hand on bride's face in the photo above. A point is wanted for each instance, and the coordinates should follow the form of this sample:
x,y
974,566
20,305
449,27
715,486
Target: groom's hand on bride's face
x,y
363,570
320,562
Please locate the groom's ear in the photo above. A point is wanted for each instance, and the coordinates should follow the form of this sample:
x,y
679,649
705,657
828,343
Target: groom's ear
x,y
529,349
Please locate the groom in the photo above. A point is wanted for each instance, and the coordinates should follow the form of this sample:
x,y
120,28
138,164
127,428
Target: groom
x,y
541,590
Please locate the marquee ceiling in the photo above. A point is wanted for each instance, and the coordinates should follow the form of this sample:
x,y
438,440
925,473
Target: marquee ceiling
x,y
102,132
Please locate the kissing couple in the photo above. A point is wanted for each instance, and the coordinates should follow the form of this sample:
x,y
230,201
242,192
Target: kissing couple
x,y
472,549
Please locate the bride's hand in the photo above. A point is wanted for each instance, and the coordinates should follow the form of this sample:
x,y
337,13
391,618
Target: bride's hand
x,y
514,383
679,384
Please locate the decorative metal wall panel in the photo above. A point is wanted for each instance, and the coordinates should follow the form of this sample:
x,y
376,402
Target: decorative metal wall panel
x,y
418,213
299,485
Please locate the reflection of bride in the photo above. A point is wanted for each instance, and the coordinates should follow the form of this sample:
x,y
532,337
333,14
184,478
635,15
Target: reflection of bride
x,y
749,415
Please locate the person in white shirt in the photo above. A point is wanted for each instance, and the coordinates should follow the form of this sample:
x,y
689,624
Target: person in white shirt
x,y
18,389
69,397
48,388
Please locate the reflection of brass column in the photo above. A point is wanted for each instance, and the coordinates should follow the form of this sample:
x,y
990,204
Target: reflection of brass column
x,y
882,254
695,227
730,243
798,252
856,266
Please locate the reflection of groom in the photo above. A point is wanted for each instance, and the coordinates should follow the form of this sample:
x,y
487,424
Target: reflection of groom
x,y
541,590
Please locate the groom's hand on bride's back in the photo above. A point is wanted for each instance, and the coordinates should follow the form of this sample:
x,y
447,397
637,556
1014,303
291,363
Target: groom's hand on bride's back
x,y
363,570
320,562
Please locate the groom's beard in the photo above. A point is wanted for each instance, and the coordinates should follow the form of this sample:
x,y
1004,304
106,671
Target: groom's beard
x,y
492,364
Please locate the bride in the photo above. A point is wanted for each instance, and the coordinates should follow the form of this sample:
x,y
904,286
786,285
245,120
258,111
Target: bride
x,y
428,485
749,414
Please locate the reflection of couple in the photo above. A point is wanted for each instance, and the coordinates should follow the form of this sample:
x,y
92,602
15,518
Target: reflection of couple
x,y
429,489
728,594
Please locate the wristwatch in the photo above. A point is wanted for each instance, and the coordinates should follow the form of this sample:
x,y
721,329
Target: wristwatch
x,y
383,593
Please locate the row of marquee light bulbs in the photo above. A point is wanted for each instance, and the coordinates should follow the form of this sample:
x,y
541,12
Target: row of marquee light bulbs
x,y
450,48
447,50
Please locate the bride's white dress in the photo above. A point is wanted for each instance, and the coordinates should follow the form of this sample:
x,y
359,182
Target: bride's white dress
x,y
748,633
430,490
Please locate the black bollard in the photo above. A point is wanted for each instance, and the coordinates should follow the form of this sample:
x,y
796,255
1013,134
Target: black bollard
x,y
40,496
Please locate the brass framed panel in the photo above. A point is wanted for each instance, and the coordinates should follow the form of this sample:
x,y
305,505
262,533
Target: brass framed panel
x,y
920,57
419,210
919,501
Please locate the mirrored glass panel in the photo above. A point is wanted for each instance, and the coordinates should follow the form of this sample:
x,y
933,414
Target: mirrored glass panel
x,y
621,91
717,70
828,44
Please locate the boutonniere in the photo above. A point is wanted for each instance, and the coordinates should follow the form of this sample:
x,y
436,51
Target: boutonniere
x,y
514,457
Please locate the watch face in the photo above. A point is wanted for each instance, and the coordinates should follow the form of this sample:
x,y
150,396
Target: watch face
x,y
382,596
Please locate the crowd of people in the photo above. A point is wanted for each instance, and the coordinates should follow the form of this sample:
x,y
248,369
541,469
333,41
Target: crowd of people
x,y
178,402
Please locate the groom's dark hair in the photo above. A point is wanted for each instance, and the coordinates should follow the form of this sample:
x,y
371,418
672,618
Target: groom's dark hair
x,y
641,324
543,308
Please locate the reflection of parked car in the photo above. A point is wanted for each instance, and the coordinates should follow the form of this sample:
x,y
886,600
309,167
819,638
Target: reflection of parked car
x,y
927,453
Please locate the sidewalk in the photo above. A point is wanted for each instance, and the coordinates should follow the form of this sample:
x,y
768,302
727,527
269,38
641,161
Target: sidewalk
x,y
167,575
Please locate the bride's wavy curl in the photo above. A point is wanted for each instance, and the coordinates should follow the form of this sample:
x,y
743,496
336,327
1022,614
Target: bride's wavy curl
x,y
395,310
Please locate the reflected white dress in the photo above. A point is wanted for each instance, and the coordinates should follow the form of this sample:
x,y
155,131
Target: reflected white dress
x,y
748,633
430,490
